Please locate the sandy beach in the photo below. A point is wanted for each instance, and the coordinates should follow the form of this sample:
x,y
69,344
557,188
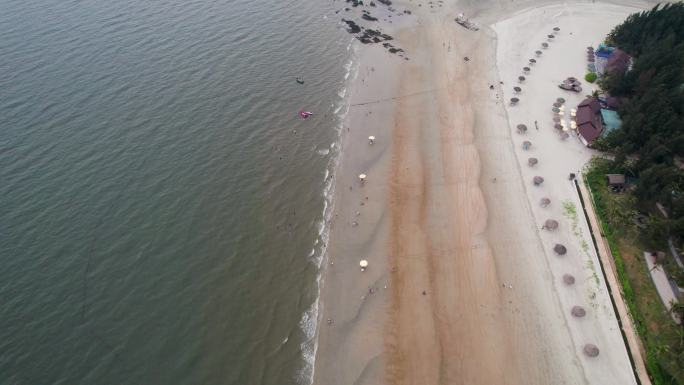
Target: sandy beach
x,y
463,286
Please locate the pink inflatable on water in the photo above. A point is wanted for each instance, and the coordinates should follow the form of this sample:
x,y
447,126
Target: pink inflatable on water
x,y
305,114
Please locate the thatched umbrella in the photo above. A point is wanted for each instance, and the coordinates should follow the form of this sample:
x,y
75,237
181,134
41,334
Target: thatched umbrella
x,y
557,119
538,53
526,69
521,128
532,61
591,350
544,202
558,126
568,279
545,45
560,100
555,110
538,180
564,135
521,78
551,224
578,311
560,249
517,89
557,104
556,29
532,161
514,101
526,145
550,36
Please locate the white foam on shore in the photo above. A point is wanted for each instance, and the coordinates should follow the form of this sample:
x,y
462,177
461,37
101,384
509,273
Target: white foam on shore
x,y
342,93
310,318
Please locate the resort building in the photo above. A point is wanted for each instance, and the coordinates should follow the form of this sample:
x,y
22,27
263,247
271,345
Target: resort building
x,y
588,119
615,180
595,118
618,62
610,60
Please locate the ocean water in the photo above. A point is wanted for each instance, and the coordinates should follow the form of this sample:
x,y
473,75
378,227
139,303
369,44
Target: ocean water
x,y
162,205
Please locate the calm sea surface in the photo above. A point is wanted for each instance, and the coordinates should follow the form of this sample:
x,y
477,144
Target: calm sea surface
x,y
160,220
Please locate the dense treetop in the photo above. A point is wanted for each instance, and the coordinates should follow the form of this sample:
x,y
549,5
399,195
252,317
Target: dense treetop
x,y
653,108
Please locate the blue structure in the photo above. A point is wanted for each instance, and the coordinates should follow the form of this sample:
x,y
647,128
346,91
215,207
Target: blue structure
x,y
611,121
602,53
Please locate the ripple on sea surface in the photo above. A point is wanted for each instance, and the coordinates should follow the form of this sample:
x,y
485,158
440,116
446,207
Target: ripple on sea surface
x,y
158,209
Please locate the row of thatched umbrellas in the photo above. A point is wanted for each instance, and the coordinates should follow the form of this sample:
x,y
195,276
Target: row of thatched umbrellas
x,y
577,311
591,59
532,61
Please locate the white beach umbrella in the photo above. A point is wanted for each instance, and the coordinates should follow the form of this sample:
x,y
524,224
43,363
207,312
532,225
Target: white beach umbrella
x,y
362,177
371,139
363,263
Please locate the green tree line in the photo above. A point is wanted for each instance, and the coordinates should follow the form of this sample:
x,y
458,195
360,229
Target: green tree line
x,y
650,144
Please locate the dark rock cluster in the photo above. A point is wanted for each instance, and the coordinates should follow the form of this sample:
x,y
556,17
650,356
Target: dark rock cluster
x,y
352,26
367,16
369,35
373,36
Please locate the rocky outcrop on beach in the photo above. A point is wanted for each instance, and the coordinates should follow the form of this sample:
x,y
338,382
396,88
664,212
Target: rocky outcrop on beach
x,y
367,16
352,26
373,35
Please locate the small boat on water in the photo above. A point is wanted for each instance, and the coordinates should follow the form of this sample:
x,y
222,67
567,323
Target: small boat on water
x,y
305,114
300,80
